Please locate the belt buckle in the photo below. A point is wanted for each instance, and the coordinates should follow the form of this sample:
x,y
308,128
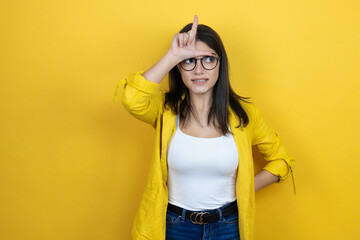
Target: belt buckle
x,y
198,215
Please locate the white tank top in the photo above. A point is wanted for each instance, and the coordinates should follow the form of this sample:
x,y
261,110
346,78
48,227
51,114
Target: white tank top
x,y
201,171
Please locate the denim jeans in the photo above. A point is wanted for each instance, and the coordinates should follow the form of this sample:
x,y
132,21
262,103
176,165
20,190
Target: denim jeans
x,y
179,228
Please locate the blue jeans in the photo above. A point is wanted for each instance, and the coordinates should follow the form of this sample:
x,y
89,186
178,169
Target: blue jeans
x,y
179,228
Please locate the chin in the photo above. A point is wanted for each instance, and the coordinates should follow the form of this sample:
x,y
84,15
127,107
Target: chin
x,y
200,92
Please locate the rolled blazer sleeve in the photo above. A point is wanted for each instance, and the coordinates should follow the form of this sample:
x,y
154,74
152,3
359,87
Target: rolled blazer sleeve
x,y
271,148
142,98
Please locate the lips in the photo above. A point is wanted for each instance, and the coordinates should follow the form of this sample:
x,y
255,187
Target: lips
x,y
199,80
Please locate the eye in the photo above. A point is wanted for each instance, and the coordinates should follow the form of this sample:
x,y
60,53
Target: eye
x,y
188,61
209,59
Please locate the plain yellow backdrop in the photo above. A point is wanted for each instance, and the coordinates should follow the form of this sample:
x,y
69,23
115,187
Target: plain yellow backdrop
x,y
73,164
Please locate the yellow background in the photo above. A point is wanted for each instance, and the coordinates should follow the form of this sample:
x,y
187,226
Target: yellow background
x,y
73,165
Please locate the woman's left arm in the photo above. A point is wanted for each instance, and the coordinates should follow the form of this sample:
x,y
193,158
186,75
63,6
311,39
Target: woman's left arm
x,y
264,179
279,164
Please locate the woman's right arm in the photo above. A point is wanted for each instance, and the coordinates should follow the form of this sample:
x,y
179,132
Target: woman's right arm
x,y
158,72
182,47
142,96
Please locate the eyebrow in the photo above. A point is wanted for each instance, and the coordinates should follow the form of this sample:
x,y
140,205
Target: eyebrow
x,y
214,54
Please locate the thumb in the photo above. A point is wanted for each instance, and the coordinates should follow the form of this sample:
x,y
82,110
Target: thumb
x,y
203,52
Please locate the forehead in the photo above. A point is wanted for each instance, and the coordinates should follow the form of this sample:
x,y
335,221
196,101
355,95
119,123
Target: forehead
x,y
203,46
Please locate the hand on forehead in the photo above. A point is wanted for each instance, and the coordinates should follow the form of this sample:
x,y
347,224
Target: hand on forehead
x,y
202,46
199,44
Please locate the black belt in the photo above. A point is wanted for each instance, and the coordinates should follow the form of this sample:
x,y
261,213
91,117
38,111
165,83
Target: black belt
x,y
204,217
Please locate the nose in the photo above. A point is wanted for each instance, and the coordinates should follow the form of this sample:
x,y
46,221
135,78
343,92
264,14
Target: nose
x,y
198,68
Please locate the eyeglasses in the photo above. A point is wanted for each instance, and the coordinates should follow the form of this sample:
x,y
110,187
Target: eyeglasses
x,y
209,64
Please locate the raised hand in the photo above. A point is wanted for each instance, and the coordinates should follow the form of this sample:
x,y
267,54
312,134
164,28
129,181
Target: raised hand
x,y
183,44
182,47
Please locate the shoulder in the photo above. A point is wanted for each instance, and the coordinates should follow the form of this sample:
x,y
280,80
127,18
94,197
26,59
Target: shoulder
x,y
250,109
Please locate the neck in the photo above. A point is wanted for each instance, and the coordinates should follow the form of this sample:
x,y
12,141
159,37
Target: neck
x,y
201,102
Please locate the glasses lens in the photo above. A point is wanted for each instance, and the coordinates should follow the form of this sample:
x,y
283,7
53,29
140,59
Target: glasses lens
x,y
188,64
209,62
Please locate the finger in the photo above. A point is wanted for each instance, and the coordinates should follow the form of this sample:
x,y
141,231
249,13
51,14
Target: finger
x,y
193,30
186,39
203,53
181,40
176,39
195,23
192,36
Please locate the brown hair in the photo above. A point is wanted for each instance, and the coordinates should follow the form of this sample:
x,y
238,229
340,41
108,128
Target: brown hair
x,y
223,94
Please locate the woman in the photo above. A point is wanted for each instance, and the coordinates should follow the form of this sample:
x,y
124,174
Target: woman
x,y
201,183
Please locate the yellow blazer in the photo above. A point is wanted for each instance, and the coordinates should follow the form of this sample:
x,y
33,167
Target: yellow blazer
x,y
145,100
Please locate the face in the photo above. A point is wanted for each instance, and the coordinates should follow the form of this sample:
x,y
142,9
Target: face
x,y
194,80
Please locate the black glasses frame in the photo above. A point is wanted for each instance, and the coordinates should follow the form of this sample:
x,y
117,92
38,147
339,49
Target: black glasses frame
x,y
201,61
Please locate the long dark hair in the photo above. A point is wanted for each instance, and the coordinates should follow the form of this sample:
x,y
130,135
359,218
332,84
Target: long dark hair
x,y
223,94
